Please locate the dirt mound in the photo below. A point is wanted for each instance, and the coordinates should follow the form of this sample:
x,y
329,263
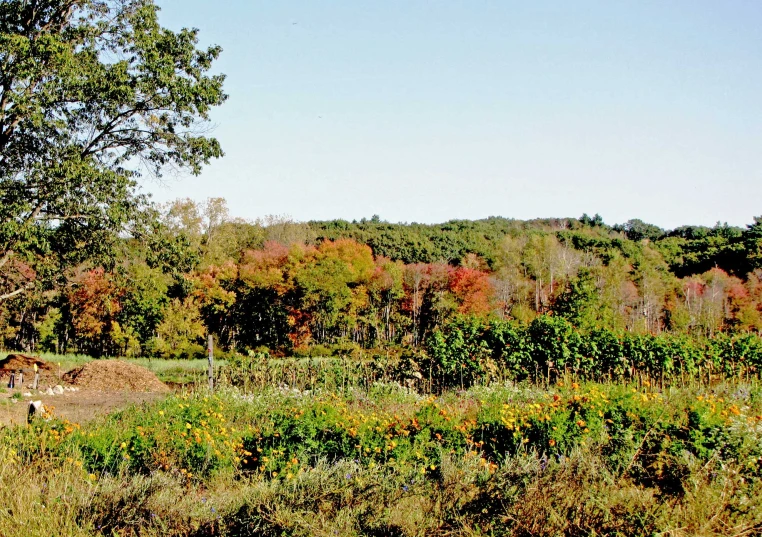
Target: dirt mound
x,y
14,362
114,376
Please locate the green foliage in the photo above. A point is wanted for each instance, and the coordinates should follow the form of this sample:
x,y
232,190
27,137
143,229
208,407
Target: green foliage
x,y
93,95
179,333
420,243
695,249
459,354
202,435
145,300
637,230
47,330
579,301
468,350
752,238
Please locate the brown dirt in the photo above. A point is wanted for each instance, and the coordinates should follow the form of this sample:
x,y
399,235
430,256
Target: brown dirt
x,y
78,407
114,376
14,362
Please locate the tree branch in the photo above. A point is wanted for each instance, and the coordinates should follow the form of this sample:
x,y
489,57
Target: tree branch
x,y
17,292
90,149
49,217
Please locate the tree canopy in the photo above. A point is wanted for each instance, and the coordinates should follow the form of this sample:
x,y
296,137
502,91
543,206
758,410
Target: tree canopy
x,y
93,95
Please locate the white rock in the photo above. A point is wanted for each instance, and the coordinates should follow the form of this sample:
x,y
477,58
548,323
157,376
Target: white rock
x,y
27,394
49,391
58,389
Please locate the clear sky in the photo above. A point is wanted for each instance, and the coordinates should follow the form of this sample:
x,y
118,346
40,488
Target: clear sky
x,y
428,111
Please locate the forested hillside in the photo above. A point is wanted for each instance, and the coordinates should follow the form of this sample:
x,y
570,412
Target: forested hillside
x,y
286,286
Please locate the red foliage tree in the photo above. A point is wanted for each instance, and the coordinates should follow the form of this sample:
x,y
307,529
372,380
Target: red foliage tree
x,y
472,289
94,302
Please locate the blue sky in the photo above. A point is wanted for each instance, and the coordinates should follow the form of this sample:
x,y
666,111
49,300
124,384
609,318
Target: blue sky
x,y
430,111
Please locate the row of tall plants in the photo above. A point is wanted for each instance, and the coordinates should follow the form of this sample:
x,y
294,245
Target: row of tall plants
x,y
469,350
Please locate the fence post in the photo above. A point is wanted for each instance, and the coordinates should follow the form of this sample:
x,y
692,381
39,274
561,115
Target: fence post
x,y
210,373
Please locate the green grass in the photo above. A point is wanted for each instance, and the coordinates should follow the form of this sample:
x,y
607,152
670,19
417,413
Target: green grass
x,y
178,371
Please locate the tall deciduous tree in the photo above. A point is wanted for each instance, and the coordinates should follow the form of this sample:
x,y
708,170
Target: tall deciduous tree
x,y
93,93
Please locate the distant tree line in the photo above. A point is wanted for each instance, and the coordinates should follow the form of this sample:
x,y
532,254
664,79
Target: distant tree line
x,y
286,286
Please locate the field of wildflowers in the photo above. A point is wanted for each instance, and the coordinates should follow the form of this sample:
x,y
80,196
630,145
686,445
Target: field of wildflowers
x,y
569,459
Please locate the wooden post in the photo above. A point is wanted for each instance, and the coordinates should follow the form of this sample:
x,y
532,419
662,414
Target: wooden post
x,y
210,373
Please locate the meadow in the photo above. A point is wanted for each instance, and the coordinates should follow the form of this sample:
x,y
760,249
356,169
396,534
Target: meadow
x,y
340,457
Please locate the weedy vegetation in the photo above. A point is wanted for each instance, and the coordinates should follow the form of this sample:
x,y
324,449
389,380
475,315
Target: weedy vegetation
x,y
500,459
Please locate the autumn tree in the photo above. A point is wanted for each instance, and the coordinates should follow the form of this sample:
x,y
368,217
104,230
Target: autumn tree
x,y
214,293
93,303
285,230
472,290
332,286
262,307
414,278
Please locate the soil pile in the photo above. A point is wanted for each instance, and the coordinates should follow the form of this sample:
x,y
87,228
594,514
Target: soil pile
x,y
114,376
14,362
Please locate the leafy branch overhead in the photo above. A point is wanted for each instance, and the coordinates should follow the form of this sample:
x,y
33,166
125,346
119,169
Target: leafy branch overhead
x,y
93,94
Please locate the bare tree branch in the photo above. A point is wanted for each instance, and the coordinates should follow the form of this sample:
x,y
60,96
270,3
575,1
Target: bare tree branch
x,y
17,292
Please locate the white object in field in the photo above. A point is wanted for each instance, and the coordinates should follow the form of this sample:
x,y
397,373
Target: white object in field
x,y
58,389
35,409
